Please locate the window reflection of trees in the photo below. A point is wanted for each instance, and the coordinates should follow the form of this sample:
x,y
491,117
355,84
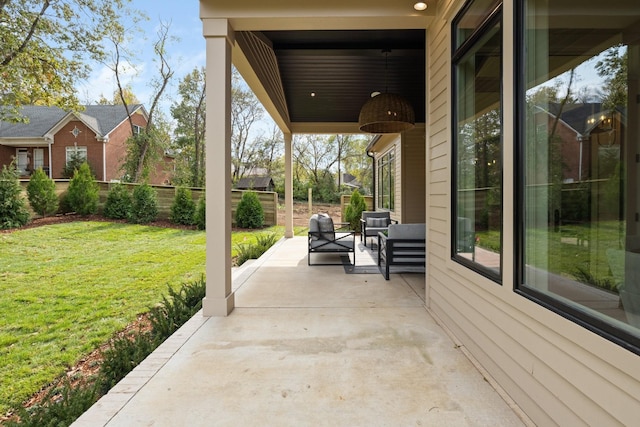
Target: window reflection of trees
x,y
580,174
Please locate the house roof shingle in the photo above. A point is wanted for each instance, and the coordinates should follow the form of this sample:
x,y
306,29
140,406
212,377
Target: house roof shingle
x,y
254,182
41,119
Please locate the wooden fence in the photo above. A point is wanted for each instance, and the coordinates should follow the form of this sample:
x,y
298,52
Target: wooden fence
x,y
345,199
166,196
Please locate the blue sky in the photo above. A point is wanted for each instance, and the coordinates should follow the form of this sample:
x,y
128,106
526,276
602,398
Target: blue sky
x,y
184,54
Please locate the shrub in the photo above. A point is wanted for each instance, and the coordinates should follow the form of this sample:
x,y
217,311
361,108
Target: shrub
x,y
13,210
74,164
183,208
247,251
124,353
354,209
41,192
177,309
83,191
201,213
249,213
145,205
64,403
64,206
118,204
61,406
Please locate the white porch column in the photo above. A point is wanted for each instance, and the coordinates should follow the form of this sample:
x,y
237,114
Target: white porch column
x,y
219,300
288,185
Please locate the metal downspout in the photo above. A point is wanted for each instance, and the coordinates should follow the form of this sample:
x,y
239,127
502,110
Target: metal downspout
x,y
373,184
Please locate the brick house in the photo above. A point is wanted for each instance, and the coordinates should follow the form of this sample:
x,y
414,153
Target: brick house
x,y
51,137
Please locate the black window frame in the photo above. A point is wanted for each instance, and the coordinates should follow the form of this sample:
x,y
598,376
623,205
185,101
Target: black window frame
x,y
494,17
386,161
573,313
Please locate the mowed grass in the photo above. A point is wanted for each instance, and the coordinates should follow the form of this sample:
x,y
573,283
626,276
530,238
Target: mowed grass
x,y
571,248
65,289
249,236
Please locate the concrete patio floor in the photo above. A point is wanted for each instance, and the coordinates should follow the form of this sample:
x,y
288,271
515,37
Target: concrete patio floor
x,y
309,346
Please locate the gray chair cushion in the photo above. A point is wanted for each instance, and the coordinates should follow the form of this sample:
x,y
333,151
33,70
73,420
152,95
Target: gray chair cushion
x,y
326,229
407,231
314,227
376,214
377,222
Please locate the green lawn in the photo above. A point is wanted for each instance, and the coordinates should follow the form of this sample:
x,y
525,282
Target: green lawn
x,y
577,251
65,289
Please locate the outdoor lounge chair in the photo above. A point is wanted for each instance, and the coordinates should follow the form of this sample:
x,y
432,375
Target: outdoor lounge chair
x,y
402,244
373,222
323,238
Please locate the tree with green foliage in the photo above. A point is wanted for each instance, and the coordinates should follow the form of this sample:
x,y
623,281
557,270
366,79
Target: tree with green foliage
x,y
41,192
613,68
75,161
183,208
83,191
353,211
46,48
145,205
13,210
249,213
246,111
190,116
119,203
201,213
120,97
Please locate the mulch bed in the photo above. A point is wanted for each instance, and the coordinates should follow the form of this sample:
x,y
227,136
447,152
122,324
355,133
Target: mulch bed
x,y
62,218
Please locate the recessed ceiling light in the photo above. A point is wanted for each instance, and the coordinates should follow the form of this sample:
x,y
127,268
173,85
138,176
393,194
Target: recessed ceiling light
x,y
374,94
420,6
313,94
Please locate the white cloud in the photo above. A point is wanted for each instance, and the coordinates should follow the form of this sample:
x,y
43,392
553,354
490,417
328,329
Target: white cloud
x,y
102,82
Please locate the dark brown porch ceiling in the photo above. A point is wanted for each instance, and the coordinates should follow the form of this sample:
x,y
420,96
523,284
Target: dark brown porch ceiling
x,y
342,68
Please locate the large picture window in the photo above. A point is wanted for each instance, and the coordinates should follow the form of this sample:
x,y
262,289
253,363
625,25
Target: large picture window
x,y
477,138
578,158
387,180
76,153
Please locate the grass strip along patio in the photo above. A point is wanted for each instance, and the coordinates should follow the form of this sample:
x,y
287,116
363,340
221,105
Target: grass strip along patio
x,y
66,289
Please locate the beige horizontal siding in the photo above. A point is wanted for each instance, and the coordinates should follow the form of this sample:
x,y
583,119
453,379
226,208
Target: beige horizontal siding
x,y
558,372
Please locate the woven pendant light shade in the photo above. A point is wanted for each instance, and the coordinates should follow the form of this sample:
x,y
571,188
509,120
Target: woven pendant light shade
x,y
386,113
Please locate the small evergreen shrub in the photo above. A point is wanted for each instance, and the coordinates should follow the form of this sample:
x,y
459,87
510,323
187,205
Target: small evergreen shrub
x,y
64,207
177,309
41,192
353,211
83,191
61,406
183,208
13,210
119,203
64,403
73,165
249,213
145,205
124,354
201,213
247,251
